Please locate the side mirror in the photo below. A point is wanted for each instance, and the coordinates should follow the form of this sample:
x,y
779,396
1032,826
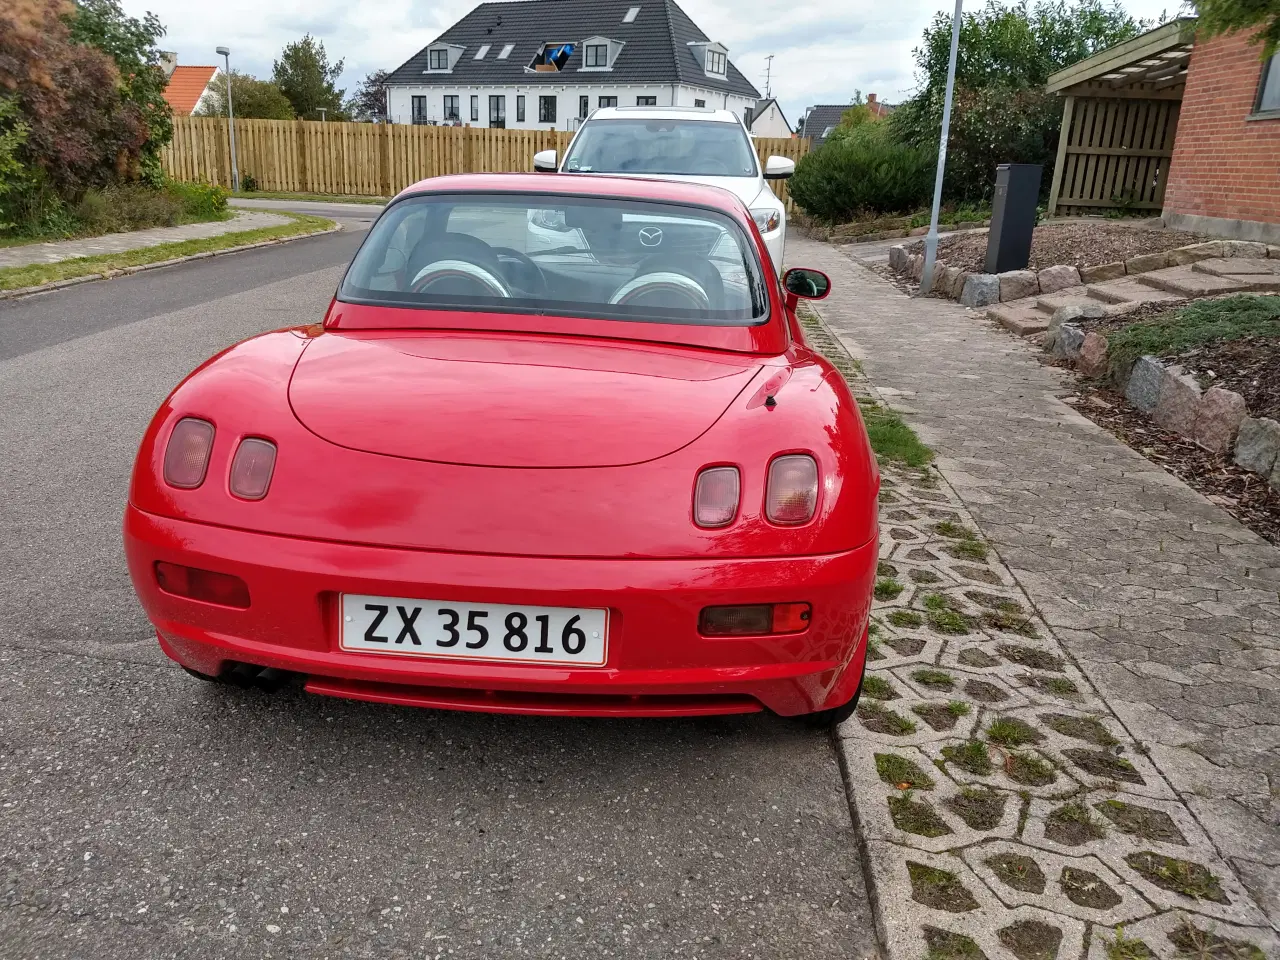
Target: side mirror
x,y
805,283
545,161
778,168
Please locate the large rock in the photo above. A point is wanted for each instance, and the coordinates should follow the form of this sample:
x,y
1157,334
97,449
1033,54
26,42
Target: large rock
x,y
918,231
1178,404
1195,252
1273,252
945,280
1258,444
1016,284
897,257
917,266
1053,279
1146,262
1218,420
1066,345
1077,311
1092,361
1104,271
957,284
1243,248
1143,389
980,290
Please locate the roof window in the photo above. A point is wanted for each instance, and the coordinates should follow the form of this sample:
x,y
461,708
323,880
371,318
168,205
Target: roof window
x,y
480,54
506,51
631,15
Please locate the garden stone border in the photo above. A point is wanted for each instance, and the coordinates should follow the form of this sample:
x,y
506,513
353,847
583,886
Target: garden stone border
x,y
886,228
987,289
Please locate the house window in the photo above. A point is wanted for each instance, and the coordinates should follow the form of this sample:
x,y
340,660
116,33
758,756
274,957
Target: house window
x,y
715,62
498,111
438,59
646,101
699,103
547,109
506,51
520,108
419,109
475,108
597,55
608,101
584,107
1269,88
631,15
451,107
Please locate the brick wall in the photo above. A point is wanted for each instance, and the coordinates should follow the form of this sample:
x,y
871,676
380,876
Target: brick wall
x,y
1223,164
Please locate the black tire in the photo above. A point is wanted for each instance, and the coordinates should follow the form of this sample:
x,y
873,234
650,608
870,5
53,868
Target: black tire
x,y
824,719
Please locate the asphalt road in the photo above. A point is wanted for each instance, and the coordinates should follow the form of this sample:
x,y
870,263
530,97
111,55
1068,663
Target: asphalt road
x,y
144,814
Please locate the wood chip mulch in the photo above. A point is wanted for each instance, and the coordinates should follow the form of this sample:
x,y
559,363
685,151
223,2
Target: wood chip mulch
x,y
1245,495
1080,244
1250,366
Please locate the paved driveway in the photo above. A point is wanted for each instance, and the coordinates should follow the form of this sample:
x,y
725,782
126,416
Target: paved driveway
x,y
143,814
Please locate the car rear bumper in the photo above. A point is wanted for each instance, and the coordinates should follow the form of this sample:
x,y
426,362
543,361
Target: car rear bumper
x,y
658,664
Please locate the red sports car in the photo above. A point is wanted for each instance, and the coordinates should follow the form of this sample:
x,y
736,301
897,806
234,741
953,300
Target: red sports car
x,y
557,447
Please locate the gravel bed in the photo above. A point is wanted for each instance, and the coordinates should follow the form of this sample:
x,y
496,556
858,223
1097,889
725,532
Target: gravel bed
x,y
1078,244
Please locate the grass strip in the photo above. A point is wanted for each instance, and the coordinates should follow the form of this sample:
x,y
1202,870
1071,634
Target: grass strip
x,y
309,197
1207,321
35,274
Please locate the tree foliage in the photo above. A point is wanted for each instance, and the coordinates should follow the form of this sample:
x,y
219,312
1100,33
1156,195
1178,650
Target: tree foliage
x,y
306,77
1224,16
866,172
251,98
369,102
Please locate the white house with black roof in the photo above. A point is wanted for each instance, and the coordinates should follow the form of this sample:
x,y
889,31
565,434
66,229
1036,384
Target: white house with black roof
x,y
546,64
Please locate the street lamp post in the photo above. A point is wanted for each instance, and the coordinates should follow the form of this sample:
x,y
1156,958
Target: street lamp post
x,y
931,239
323,111
225,53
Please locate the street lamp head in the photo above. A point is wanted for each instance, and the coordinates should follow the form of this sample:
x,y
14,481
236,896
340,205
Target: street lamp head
x,y
223,51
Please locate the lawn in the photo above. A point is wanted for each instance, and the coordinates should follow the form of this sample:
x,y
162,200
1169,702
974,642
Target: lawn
x,y
309,197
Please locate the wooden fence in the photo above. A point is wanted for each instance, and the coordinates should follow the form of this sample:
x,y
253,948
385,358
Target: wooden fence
x,y
364,159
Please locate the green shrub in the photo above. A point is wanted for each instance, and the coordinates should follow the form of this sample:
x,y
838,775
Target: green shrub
x,y
867,173
200,201
248,183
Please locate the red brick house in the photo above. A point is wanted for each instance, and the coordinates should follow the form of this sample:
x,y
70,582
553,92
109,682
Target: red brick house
x,y
1225,173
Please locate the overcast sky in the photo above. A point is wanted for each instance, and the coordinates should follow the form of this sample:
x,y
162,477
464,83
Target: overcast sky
x,y
823,50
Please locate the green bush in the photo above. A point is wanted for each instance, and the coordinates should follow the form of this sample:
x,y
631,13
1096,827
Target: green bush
x,y
200,200
866,174
136,206
248,183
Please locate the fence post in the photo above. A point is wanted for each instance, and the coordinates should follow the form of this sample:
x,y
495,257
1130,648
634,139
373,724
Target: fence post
x,y
384,187
303,173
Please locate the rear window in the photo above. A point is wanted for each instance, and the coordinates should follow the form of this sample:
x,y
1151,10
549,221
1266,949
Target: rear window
x,y
567,256
690,148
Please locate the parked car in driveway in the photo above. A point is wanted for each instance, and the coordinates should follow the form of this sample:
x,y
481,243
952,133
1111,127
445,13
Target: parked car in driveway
x,y
598,481
690,144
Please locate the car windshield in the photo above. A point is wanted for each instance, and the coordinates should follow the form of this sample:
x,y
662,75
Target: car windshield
x,y
568,256
694,148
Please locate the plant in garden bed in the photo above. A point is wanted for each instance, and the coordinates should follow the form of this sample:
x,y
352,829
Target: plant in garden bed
x,y
1199,323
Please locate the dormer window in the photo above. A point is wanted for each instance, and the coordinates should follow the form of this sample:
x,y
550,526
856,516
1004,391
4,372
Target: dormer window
x,y
597,55
438,59
716,62
443,57
712,57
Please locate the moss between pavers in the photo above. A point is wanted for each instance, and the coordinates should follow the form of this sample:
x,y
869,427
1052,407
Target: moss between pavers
x,y
1191,941
979,808
1178,876
876,686
1031,940
939,889
1058,686
901,772
956,531
1010,623
1088,729
1029,769
1138,821
1012,732
1020,873
968,550
1100,763
917,817
945,945
879,720
935,679
905,618
1031,657
973,756
888,589
941,716
1086,889
1072,825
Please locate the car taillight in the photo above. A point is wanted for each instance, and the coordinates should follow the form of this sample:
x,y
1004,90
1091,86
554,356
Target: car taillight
x,y
715,496
186,458
205,585
792,494
754,619
251,468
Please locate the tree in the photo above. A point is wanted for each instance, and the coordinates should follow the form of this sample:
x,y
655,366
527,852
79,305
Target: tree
x,y
251,98
369,102
131,44
1223,16
304,75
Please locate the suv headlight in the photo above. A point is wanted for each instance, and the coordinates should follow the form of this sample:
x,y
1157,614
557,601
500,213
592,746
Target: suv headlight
x,y
767,220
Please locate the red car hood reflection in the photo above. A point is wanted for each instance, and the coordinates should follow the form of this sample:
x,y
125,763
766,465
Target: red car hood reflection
x,y
510,401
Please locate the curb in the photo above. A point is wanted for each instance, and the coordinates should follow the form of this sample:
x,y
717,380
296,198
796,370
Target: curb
x,y
126,271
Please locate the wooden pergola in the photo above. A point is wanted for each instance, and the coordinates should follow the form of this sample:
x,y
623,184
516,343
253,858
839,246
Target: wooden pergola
x,y
1119,123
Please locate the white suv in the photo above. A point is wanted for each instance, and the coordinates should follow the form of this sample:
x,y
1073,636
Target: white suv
x,y
692,144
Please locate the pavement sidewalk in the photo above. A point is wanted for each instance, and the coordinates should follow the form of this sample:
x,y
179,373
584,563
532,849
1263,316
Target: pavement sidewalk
x,y
31,253
1168,605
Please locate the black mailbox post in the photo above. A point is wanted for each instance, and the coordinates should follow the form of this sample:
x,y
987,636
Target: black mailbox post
x,y
1013,216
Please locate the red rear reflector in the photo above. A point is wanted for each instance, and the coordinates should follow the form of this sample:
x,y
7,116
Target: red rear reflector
x,y
754,619
186,458
251,468
715,496
793,489
205,585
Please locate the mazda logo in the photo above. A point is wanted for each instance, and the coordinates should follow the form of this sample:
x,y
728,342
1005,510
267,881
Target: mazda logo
x,y
650,236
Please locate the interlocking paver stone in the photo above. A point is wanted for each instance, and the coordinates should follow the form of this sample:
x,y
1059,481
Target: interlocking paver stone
x,y
1119,567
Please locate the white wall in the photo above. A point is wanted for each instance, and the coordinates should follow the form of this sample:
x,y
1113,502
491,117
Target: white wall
x,y
771,123
400,101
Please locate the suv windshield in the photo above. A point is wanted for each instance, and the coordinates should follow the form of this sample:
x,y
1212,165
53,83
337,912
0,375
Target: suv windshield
x,y
569,256
696,148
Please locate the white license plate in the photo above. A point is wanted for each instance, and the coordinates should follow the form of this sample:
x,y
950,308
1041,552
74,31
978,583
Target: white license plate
x,y
474,631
